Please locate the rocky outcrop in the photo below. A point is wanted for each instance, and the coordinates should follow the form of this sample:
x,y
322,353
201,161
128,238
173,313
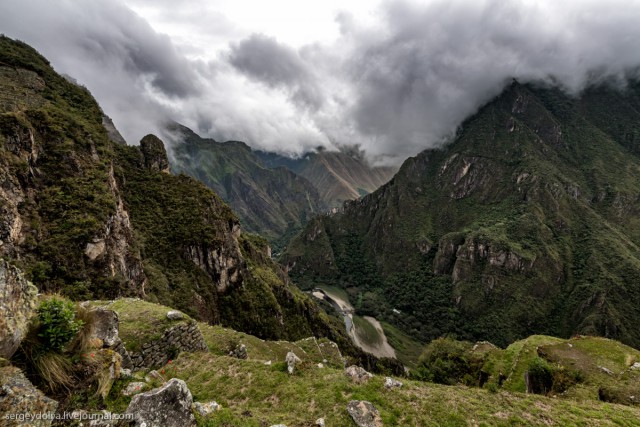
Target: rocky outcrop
x,y
184,337
167,406
112,131
18,397
364,414
154,154
224,264
17,306
112,249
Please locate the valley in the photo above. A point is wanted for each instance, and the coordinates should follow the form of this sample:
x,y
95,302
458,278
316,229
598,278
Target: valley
x,y
366,332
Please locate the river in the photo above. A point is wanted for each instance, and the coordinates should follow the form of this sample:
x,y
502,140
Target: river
x,y
381,348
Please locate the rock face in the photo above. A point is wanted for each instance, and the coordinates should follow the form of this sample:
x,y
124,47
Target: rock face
x,y
364,414
19,396
357,374
291,360
167,406
17,306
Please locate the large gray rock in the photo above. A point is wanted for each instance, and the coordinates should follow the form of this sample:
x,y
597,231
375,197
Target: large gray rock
x,y
19,397
105,326
166,406
364,414
17,307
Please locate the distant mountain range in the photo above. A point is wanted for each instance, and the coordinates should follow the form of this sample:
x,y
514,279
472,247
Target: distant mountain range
x,y
274,195
526,223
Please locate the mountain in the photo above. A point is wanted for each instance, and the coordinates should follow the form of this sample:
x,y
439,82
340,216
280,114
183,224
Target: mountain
x,y
527,222
274,202
91,218
339,176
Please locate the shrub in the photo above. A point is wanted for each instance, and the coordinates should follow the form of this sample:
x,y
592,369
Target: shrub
x,y
447,361
57,323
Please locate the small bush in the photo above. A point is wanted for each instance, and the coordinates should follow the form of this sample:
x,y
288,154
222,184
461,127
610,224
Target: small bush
x,y
447,361
57,323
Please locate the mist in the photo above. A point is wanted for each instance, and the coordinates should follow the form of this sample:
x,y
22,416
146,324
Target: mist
x,y
395,84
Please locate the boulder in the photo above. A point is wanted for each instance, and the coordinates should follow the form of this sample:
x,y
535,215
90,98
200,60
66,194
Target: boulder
x,y
19,397
207,408
105,326
291,360
166,406
364,414
17,307
175,315
390,383
357,374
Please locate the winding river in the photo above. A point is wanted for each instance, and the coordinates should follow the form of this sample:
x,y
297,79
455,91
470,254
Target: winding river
x,y
379,349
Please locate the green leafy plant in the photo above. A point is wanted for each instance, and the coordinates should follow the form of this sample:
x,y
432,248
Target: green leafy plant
x,y
58,323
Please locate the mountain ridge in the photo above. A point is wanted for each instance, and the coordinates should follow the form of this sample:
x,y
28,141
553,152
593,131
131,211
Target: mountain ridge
x,y
502,231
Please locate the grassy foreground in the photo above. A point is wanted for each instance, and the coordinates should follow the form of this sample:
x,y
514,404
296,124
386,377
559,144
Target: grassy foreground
x,y
256,392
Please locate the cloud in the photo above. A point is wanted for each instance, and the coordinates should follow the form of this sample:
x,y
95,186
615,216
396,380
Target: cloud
x,y
397,82
279,66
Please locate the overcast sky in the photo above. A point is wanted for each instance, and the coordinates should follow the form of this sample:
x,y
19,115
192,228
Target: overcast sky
x,y
289,75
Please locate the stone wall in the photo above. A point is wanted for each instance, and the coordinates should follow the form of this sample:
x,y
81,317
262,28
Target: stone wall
x,y
183,337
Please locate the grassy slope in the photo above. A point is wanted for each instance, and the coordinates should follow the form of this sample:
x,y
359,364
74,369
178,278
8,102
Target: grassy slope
x,y
535,177
255,394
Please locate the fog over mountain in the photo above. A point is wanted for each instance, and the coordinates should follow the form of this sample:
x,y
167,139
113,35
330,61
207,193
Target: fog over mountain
x,y
395,77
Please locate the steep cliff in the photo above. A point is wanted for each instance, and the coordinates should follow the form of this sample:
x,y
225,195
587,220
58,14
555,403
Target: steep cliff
x,y
525,223
89,217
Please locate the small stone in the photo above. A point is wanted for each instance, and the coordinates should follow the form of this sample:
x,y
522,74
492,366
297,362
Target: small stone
x,y
320,365
134,388
207,408
320,422
268,363
291,360
175,315
154,376
364,414
357,374
635,365
606,370
390,383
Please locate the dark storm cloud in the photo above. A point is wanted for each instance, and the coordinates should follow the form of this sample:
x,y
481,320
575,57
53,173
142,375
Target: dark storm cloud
x,y
396,84
279,66
105,46
430,67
